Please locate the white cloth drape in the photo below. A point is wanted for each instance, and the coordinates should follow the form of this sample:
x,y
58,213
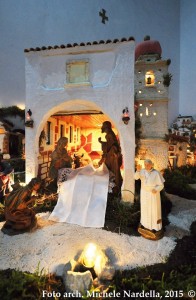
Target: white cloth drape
x,y
83,197
151,217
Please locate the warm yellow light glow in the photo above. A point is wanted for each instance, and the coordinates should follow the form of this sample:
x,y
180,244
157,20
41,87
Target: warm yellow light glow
x,y
29,176
141,114
147,112
141,162
140,104
149,78
89,255
21,105
154,113
2,130
99,262
159,91
140,92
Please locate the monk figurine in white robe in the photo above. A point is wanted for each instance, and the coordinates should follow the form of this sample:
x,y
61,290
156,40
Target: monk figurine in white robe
x,y
152,183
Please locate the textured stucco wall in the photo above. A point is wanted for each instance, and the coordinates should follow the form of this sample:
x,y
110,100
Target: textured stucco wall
x,y
156,150
154,125
110,93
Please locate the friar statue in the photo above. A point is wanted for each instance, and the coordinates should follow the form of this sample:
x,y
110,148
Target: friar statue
x,y
112,156
152,182
19,217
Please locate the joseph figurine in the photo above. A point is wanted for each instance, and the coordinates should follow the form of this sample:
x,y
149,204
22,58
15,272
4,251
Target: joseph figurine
x,y
112,156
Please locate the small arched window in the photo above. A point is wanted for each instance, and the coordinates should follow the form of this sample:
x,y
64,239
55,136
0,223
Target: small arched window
x,y
149,78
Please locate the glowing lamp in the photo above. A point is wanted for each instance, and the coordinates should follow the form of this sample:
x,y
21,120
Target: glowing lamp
x,y
125,117
89,255
29,122
28,114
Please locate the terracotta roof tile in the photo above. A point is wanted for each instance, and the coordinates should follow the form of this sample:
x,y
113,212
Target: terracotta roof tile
x,y
80,45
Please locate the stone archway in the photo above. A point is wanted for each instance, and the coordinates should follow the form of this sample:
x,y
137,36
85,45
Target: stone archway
x,y
80,106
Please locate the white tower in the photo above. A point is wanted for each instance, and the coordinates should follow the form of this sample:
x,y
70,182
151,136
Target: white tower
x,y
151,89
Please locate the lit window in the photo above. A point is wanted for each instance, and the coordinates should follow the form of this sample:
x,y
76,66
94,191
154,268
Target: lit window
x,y
78,134
48,133
62,131
147,111
70,134
149,78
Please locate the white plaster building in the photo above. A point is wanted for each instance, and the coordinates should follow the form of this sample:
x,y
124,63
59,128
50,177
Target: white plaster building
x,y
97,77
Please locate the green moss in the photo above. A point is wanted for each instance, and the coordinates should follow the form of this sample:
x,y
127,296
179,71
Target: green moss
x,y
17,285
137,280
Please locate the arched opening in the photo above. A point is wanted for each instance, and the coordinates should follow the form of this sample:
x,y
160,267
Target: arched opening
x,y
81,124
149,78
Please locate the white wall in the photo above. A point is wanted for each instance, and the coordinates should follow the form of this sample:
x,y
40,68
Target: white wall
x,y
32,23
110,93
188,58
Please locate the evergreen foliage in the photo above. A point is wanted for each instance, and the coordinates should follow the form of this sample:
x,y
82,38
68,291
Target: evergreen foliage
x,y
167,78
178,184
12,111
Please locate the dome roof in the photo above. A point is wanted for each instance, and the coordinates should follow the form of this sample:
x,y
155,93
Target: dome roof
x,y
147,47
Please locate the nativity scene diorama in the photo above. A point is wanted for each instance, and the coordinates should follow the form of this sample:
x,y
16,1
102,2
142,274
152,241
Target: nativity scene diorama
x,y
85,102
81,141
80,145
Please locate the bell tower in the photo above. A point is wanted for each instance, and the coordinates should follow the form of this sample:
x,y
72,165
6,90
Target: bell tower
x,y
151,92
